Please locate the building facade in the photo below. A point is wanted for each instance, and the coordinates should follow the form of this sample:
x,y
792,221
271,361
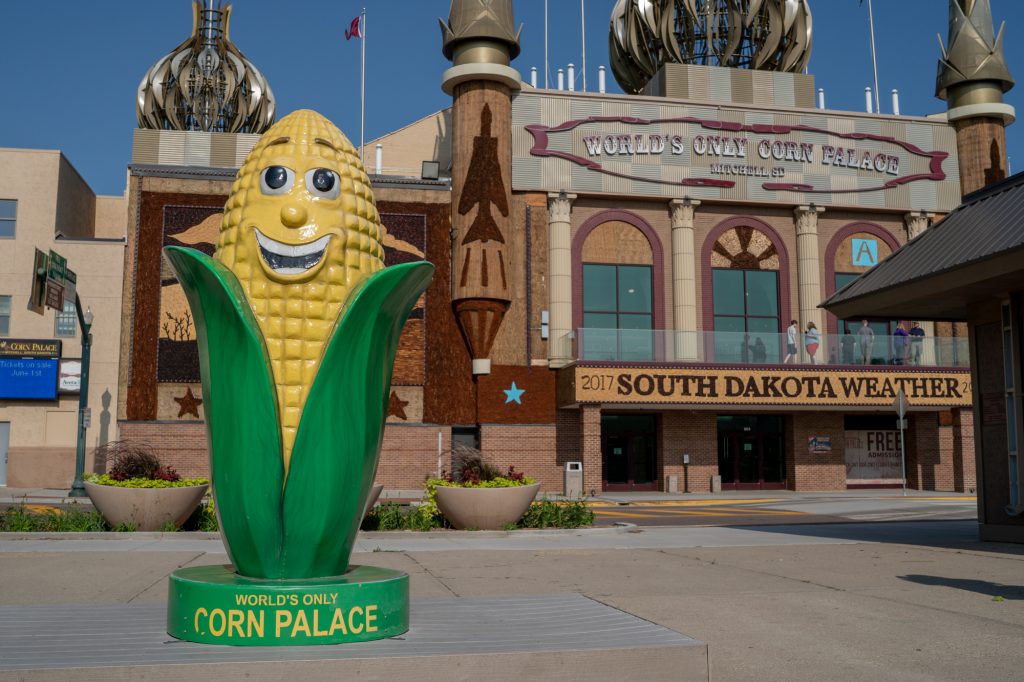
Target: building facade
x,y
45,204
616,280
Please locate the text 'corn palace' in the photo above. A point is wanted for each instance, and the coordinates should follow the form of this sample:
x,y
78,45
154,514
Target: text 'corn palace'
x,y
300,233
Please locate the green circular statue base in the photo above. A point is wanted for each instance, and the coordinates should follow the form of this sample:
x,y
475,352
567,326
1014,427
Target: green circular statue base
x,y
214,605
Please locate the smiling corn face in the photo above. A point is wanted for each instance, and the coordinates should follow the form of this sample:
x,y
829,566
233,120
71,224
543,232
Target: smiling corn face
x,y
300,233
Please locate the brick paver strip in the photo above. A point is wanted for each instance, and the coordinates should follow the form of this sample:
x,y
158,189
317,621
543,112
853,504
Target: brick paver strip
x,y
52,636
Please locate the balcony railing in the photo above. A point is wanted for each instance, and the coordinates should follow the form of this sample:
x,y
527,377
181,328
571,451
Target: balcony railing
x,y
738,348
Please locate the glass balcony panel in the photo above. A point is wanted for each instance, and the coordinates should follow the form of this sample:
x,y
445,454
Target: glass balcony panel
x,y
627,338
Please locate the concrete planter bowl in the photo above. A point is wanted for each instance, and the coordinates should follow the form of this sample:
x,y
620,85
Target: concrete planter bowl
x,y
148,508
375,492
485,508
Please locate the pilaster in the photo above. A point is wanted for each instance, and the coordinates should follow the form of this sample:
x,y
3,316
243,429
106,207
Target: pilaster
x,y
808,269
560,277
917,222
684,278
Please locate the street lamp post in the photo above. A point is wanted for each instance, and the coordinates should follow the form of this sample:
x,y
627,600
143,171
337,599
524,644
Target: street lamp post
x,y
85,320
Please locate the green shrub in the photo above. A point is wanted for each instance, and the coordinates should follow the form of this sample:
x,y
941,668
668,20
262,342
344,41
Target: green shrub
x,y
105,479
390,517
549,514
69,518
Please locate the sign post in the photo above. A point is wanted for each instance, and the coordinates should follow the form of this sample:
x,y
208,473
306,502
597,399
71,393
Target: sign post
x,y
52,284
901,412
84,417
37,299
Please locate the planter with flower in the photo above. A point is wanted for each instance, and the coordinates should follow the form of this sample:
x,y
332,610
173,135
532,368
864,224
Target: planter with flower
x,y
139,492
479,496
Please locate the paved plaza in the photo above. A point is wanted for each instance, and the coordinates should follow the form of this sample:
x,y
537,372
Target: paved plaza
x,y
895,600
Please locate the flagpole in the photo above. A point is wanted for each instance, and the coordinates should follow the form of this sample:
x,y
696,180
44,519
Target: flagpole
x,y
545,44
362,85
874,58
583,26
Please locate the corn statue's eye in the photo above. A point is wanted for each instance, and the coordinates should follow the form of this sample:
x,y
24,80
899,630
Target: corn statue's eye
x,y
276,179
324,183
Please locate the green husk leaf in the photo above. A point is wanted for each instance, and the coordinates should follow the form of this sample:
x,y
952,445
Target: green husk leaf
x,y
242,424
338,441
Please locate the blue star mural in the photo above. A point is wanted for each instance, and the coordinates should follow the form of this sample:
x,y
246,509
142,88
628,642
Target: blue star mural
x,y
513,394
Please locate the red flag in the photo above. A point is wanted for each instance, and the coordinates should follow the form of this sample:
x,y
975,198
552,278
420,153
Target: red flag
x,y
353,30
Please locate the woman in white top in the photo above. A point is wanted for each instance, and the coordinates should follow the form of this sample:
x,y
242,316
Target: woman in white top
x,y
811,339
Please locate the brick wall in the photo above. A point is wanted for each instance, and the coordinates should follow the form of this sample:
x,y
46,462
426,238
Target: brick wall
x,y
695,434
806,471
964,471
408,455
941,457
181,445
530,448
408,452
590,451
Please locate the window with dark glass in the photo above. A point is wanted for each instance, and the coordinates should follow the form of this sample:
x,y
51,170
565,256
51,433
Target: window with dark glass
x,y
5,315
617,312
746,309
8,217
66,320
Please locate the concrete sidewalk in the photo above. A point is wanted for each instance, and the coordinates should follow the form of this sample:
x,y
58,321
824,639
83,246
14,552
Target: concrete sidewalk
x,y
57,495
885,601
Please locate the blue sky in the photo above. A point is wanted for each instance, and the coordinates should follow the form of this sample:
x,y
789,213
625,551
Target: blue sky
x,y
71,68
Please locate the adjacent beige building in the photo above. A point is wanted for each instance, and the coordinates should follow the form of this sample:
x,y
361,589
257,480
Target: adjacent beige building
x,y
54,208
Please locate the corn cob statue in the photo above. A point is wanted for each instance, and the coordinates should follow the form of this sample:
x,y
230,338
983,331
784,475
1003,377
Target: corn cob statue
x,y
298,322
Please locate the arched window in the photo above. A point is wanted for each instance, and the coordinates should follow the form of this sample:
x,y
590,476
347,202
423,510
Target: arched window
x,y
745,297
618,293
853,251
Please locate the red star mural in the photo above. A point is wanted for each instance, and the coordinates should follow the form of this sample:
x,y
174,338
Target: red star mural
x,y
396,406
189,404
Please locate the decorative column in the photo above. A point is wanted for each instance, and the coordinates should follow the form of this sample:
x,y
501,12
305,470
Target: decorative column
x,y
684,278
917,223
973,75
808,272
480,40
560,278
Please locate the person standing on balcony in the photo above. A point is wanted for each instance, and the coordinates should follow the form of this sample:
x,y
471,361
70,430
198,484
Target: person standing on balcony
x,y
916,342
848,344
811,339
791,333
899,345
760,351
866,339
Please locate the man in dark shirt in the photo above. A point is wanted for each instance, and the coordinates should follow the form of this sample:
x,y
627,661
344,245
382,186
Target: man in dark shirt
x,y
916,342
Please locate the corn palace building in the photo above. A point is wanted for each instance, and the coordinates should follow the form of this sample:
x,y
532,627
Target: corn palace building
x,y
616,273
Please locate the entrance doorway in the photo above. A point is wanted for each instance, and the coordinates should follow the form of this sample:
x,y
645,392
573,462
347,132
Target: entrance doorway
x,y
750,453
628,451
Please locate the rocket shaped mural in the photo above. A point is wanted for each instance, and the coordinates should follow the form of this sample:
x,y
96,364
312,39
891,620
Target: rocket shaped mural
x,y
481,165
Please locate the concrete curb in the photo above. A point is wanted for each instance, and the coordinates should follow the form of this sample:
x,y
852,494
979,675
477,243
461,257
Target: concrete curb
x,y
374,535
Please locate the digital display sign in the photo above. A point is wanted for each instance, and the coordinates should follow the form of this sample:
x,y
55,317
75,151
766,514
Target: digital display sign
x,y
28,378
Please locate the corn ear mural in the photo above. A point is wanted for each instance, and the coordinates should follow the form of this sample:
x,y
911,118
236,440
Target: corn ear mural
x,y
298,323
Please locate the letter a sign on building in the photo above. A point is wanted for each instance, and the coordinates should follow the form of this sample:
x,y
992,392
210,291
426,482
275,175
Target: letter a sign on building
x,y
865,253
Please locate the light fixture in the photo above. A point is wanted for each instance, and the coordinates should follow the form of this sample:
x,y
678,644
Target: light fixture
x,y
430,170
88,316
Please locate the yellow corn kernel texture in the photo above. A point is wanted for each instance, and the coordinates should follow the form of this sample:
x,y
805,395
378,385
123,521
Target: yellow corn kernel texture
x,y
297,318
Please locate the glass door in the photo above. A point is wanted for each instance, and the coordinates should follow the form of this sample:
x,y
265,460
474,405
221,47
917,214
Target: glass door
x,y
751,454
629,447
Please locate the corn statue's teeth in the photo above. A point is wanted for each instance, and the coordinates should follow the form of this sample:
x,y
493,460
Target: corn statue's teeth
x,y
291,259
